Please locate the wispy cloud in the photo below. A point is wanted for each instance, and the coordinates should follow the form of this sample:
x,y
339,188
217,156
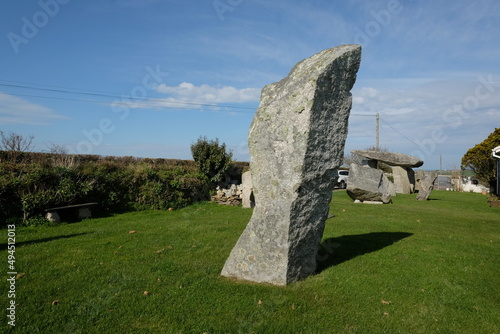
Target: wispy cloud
x,y
189,96
14,110
209,94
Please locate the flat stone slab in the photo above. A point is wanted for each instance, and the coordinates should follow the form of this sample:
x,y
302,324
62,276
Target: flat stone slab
x,y
74,206
391,158
296,144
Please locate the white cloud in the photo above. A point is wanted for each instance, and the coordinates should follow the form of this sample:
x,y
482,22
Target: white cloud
x,y
189,96
14,110
208,94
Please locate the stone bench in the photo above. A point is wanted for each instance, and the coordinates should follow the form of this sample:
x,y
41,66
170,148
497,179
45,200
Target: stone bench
x,y
69,213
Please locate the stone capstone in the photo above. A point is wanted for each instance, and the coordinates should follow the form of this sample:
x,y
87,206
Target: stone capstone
x,y
390,158
296,143
368,184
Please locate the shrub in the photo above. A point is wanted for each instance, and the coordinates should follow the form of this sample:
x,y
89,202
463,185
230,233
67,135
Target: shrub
x,y
117,185
211,158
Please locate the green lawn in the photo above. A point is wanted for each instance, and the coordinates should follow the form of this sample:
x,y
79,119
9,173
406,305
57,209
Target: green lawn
x,y
409,267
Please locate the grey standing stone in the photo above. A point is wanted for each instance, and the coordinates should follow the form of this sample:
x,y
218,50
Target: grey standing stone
x,y
404,180
419,177
368,184
296,143
426,186
247,190
391,188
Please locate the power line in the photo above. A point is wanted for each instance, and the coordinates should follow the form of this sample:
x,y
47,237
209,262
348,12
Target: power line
x,y
402,134
98,101
57,98
396,130
122,97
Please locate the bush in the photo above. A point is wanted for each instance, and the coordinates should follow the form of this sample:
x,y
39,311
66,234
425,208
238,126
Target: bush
x,y
211,158
117,185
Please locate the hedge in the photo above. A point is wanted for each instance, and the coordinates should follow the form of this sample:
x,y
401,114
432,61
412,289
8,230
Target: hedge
x,y
116,184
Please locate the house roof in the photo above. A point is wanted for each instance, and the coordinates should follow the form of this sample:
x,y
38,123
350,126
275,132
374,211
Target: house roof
x,y
496,152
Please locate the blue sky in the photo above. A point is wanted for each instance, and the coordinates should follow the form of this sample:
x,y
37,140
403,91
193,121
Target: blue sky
x,y
148,77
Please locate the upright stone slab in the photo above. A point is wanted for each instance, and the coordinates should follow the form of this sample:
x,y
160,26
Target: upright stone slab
x,y
426,187
419,177
247,200
296,143
404,179
368,184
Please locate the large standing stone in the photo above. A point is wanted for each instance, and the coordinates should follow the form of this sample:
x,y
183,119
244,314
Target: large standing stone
x,y
368,184
426,186
296,143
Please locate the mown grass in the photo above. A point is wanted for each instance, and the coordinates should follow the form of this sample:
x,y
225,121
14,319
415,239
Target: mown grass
x,y
409,267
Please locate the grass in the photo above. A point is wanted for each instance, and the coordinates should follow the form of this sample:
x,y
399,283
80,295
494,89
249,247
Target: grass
x,y
409,267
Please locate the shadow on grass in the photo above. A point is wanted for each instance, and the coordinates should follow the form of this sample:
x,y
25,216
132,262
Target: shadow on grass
x,y
334,251
3,246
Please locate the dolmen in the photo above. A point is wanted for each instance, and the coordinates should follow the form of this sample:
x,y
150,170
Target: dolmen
x,y
369,185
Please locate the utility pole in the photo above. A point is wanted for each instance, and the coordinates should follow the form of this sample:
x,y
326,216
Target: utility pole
x,y
377,127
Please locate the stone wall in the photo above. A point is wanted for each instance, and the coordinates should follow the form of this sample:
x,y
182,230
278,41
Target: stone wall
x,y
228,196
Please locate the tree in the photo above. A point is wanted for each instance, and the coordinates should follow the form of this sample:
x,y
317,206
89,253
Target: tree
x,y
211,158
60,156
479,159
15,144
